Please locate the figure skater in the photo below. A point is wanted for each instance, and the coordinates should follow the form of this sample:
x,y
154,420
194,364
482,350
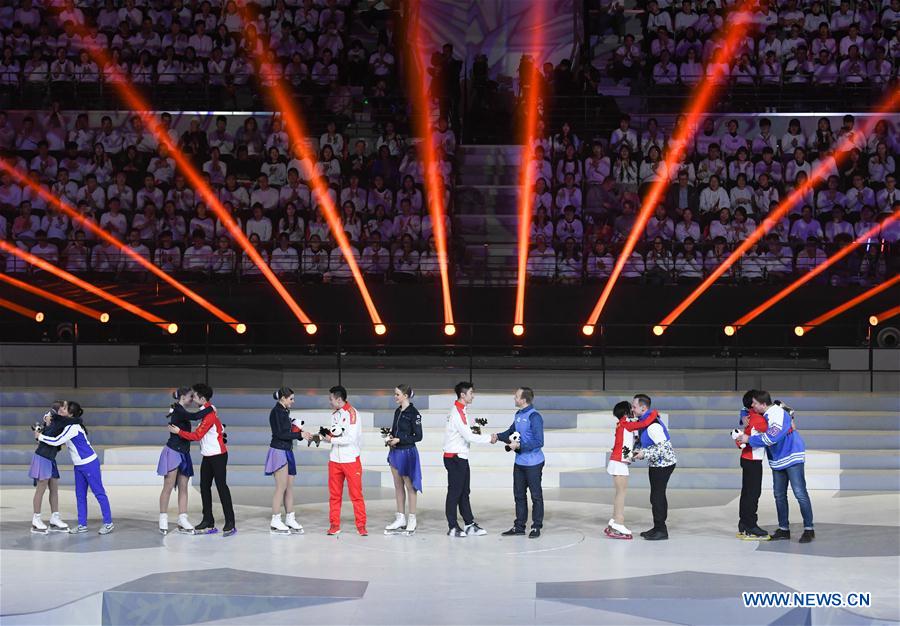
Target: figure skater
x,y
403,458
45,474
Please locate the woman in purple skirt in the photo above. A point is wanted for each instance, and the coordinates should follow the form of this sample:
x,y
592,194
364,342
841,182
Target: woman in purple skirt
x,y
175,464
45,474
404,460
280,462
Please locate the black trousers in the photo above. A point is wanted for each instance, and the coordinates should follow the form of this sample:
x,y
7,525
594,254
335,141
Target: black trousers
x,y
458,475
659,478
751,488
528,477
215,467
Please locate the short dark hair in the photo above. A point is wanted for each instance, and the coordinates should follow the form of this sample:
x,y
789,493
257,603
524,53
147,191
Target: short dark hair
x,y
527,394
748,398
643,398
203,390
622,409
462,387
338,391
762,397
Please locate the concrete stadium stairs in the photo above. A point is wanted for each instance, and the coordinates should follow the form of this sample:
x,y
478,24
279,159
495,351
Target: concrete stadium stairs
x,y
853,440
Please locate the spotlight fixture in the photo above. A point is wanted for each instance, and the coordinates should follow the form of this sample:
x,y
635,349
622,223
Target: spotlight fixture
x,y
449,329
658,330
587,330
518,330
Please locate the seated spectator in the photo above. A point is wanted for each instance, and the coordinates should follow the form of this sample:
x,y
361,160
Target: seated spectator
x,y
172,222
682,194
866,222
690,72
75,256
274,170
712,165
660,225
688,263
198,257
54,223
859,195
130,268
105,259
121,191
659,263
259,225
249,269
741,225
338,268
633,269
715,257
222,262
314,261
741,195
810,257
653,168
569,226
114,222
569,195
889,196
406,261
284,260
376,260
358,196
568,263
806,226
713,198
45,250
721,228
264,195
292,224
687,227
25,226
406,223
541,265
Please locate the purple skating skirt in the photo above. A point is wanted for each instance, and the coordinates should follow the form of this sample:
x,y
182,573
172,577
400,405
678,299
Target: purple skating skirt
x,y
42,468
170,459
276,459
406,462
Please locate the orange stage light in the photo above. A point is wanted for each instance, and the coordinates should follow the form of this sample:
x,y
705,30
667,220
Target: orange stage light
x,y
526,197
141,108
658,330
700,104
587,330
311,329
435,187
889,104
840,254
730,330
880,318
78,282
79,219
52,297
449,330
849,304
24,311
380,329
518,330
297,133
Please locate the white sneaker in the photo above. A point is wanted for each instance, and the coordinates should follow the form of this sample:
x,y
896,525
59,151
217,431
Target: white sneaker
x,y
164,523
291,522
398,523
474,529
277,527
57,524
37,525
411,523
184,524
106,529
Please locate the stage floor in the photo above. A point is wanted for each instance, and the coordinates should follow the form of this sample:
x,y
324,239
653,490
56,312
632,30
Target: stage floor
x,y
571,575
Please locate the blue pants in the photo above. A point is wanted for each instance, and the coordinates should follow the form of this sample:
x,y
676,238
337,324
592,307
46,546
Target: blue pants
x,y
780,479
88,475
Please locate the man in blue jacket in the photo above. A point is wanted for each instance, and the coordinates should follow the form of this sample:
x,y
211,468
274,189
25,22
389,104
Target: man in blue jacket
x,y
529,464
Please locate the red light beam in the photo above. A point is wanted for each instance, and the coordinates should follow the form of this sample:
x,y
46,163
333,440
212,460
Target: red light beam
x,y
52,297
24,311
849,304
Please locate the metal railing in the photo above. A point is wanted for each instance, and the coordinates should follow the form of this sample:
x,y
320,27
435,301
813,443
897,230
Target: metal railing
x,y
612,348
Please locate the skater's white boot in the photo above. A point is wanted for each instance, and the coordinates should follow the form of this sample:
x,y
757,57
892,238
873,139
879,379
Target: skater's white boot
x,y
57,524
164,523
184,524
398,523
37,525
277,527
291,522
411,523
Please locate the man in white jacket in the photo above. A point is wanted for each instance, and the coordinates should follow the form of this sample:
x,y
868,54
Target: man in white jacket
x,y
344,463
458,437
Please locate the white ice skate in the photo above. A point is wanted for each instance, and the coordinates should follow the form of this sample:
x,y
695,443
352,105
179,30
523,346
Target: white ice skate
x,y
38,527
184,525
291,522
617,531
277,527
397,526
57,525
164,523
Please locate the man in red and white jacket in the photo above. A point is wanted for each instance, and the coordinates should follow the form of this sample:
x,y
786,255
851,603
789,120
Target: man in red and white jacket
x,y
752,471
211,435
458,437
344,463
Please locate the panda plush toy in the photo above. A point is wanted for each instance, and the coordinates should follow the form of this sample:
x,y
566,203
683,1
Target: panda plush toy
x,y
480,422
513,438
387,436
736,434
335,431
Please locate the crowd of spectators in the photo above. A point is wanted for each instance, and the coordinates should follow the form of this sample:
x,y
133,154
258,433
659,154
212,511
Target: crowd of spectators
x,y
191,52
788,44
587,196
127,184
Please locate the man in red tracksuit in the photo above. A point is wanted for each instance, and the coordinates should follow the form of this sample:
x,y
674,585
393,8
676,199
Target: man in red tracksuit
x,y
752,470
344,463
